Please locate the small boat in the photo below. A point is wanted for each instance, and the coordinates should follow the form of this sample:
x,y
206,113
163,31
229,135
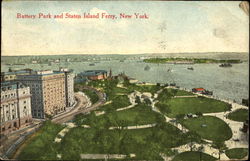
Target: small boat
x,y
121,60
147,68
92,64
190,68
225,65
169,70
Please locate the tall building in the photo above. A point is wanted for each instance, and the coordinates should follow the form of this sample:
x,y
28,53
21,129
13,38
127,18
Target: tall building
x,y
48,92
15,109
69,86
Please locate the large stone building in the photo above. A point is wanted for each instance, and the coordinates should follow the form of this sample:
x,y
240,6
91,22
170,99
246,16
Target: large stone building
x,y
69,86
15,109
48,92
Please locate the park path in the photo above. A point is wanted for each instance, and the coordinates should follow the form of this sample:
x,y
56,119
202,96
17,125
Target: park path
x,y
235,126
168,119
206,148
62,133
135,127
185,96
131,97
105,156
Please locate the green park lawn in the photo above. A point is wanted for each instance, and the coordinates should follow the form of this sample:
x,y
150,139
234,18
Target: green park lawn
x,y
215,129
139,115
237,153
145,143
193,156
40,146
169,93
192,105
118,101
240,115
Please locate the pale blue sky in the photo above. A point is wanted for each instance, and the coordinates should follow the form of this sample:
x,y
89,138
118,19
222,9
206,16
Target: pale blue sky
x,y
190,27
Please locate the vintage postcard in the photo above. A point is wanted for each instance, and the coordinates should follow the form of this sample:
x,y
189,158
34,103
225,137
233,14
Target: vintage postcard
x,y
124,80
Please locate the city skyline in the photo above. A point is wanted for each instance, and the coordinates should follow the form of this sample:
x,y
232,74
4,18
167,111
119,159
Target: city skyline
x,y
201,27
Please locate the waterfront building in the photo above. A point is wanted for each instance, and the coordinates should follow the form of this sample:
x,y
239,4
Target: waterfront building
x,y
198,90
92,75
15,109
48,92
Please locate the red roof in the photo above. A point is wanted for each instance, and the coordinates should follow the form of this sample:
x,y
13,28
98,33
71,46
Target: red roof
x,y
199,89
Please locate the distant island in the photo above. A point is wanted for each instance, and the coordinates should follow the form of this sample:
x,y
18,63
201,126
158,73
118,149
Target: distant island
x,y
189,60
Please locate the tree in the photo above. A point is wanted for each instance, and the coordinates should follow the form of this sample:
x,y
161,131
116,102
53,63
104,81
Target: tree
x,y
179,117
147,101
137,100
201,149
192,135
198,114
220,145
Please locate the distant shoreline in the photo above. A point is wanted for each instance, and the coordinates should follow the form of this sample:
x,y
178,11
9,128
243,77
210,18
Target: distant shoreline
x,y
121,54
190,60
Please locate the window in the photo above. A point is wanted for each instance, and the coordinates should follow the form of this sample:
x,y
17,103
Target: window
x,y
3,129
24,107
24,101
23,92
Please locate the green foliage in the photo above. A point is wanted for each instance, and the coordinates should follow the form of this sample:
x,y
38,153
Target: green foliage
x,y
193,156
139,115
137,100
41,146
240,115
92,95
145,143
237,153
118,101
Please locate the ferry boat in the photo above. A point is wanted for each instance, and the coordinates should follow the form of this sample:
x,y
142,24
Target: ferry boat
x,y
225,65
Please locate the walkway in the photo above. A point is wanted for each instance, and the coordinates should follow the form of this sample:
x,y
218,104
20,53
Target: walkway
x,y
84,106
168,119
186,96
131,97
62,133
105,156
134,127
238,139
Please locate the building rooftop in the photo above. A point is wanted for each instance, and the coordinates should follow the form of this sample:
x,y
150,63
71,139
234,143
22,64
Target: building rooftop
x,y
92,72
199,89
11,85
